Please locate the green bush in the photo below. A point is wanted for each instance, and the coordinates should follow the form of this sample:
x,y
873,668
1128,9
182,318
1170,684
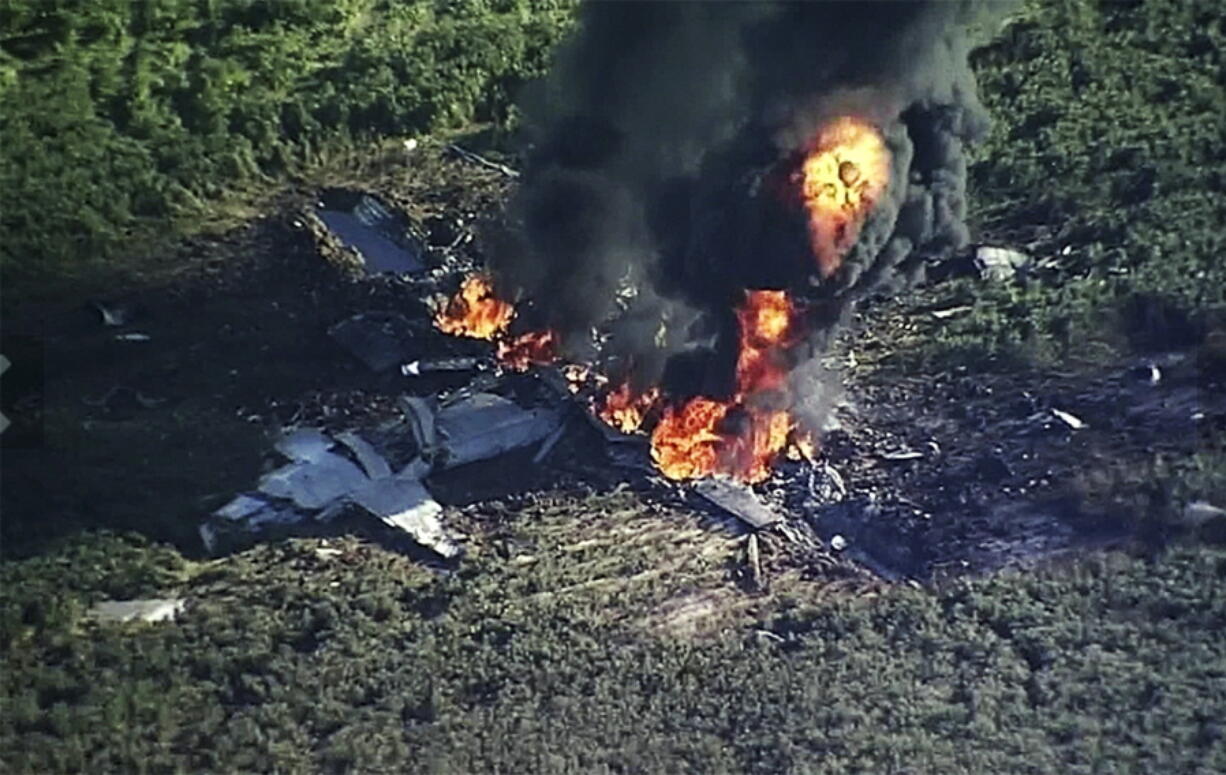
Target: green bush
x,y
121,115
285,662
1107,159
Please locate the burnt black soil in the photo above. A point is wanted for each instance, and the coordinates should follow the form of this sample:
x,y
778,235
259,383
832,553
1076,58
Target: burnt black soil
x,y
975,469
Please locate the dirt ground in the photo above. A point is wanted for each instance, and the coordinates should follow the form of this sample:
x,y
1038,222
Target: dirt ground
x,y
978,469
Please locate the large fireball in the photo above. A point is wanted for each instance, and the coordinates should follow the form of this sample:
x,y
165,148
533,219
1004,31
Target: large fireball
x,y
844,175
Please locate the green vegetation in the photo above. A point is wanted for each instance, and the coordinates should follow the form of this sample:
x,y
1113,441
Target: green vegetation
x,y
121,115
361,662
1107,157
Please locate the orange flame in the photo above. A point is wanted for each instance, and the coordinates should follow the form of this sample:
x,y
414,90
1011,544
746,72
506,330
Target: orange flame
x,y
686,444
766,323
696,439
475,311
841,180
626,409
537,348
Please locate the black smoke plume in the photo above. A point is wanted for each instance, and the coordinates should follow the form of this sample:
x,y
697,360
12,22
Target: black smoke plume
x,y
645,210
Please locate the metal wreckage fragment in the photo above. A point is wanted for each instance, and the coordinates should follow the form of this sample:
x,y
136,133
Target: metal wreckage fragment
x,y
328,473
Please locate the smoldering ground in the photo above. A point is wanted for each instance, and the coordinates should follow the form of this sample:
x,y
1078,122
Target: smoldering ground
x,y
648,195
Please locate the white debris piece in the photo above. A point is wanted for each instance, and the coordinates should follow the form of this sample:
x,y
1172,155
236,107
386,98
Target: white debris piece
x,y
902,455
417,368
754,558
836,480
314,484
838,543
407,505
241,507
1198,513
150,610
999,264
135,336
942,314
113,314
422,523
1076,423
304,444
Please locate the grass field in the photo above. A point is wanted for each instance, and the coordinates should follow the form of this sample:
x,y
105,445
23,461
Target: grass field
x,y
292,662
1107,157
124,117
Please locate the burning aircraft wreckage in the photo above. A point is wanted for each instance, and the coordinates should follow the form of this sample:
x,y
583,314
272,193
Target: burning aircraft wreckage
x,y
710,190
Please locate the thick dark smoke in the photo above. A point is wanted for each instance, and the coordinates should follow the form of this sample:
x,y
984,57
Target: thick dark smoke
x,y
654,142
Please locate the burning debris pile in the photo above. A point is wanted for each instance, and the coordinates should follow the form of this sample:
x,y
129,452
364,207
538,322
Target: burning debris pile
x,y
689,439
688,234
691,227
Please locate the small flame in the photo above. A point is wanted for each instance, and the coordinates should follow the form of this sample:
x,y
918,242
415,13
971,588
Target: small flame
x,y
535,348
801,446
577,376
625,409
475,311
686,445
841,179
